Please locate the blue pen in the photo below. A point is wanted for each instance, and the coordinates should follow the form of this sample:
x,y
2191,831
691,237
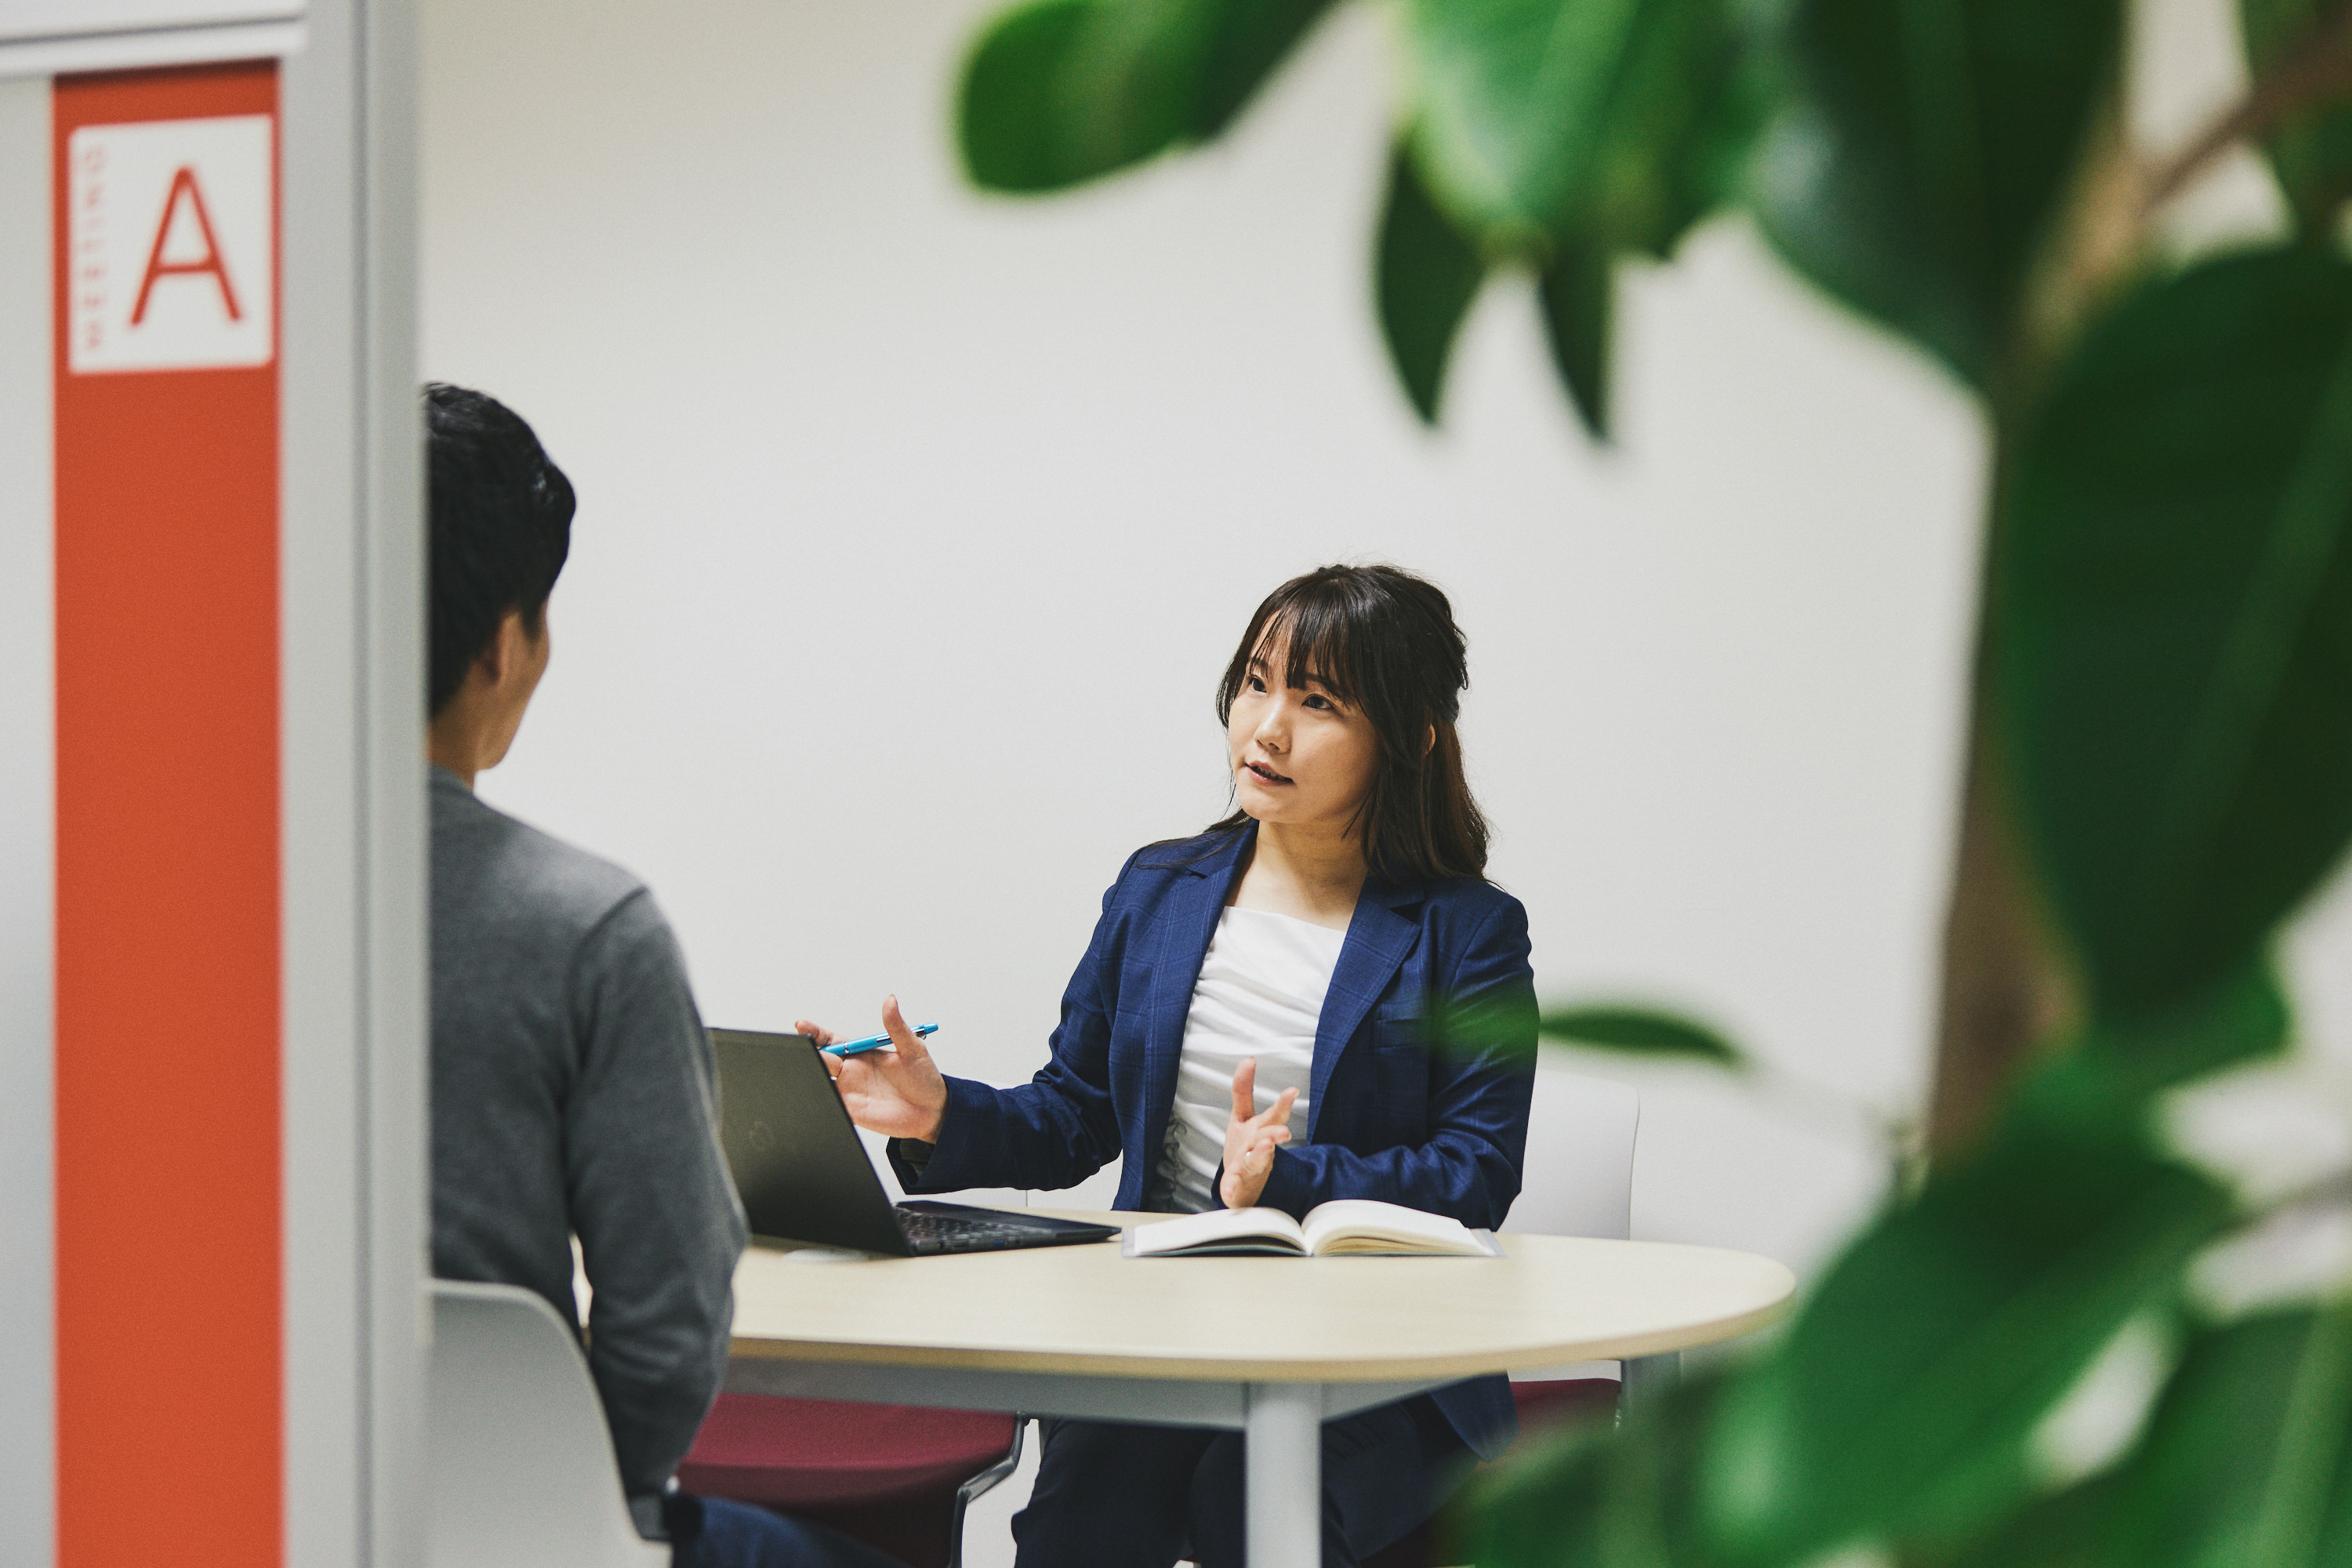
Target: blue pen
x,y
875,1042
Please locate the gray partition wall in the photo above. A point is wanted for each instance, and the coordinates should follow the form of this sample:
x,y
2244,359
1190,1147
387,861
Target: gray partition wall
x,y
27,1470
354,795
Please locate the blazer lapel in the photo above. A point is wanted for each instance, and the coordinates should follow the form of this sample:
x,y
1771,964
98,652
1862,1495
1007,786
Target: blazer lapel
x,y
1187,923
1378,939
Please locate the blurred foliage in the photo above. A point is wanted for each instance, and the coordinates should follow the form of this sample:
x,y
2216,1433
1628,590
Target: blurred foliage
x,y
2244,1460
1915,153
1062,90
1426,276
2167,628
1903,1400
1502,1024
2311,153
2178,618
1640,1030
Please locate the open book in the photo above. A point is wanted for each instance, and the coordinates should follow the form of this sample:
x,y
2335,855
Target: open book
x,y
1341,1227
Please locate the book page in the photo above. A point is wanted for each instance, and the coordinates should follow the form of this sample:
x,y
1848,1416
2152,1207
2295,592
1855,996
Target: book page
x,y
1262,1230
1366,1225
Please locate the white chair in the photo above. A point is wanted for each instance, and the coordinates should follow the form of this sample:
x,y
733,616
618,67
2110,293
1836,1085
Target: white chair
x,y
520,1461
1578,1176
1578,1181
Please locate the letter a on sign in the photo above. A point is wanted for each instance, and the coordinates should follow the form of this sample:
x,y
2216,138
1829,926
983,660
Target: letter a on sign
x,y
184,189
172,245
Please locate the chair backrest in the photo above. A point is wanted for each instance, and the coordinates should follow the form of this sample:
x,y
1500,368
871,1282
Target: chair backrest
x,y
1578,1176
522,1463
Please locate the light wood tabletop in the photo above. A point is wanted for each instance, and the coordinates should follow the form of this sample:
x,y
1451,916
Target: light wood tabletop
x,y
1086,1311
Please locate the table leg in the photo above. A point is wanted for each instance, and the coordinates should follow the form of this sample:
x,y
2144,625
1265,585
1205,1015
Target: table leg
x,y
1648,1378
1282,1459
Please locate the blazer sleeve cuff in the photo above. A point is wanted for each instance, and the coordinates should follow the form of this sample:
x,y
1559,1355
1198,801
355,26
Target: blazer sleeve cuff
x,y
1290,1185
964,1126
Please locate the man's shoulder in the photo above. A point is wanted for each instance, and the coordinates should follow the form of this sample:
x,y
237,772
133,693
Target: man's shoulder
x,y
494,862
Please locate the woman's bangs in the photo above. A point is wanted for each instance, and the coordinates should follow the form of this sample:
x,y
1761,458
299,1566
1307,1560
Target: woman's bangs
x,y
1314,638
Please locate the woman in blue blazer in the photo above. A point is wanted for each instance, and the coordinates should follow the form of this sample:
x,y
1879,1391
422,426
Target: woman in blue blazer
x,y
1253,1023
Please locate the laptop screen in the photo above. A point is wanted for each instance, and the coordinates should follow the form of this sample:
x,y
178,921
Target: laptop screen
x,y
799,1166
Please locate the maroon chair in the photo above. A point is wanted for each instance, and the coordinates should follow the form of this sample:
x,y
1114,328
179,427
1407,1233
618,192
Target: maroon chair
x,y
897,1477
1542,1407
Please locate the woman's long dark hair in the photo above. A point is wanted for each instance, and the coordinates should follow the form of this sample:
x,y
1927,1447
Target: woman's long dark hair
x,y
1383,641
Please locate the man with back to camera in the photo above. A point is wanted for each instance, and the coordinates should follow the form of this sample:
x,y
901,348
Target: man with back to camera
x,y
572,1076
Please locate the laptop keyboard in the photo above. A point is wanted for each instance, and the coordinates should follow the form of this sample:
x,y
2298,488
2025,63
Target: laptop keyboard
x,y
955,1233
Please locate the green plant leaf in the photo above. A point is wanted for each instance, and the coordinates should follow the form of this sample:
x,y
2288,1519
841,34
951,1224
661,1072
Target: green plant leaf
x,y
1917,150
1613,120
2063,1530
1425,277
2082,1105
1563,133
1638,1030
2176,621
2311,153
1542,1506
2107,1074
1513,100
1902,1399
2246,1458
1577,292
1588,1497
1059,91
1533,115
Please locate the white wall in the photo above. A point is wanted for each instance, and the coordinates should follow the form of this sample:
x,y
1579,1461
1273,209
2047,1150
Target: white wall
x,y
916,527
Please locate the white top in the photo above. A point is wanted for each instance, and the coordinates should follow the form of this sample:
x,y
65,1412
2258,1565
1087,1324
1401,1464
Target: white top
x,y
1260,995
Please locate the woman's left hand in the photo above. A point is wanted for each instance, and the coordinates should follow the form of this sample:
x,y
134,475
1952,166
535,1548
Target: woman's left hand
x,y
1251,1140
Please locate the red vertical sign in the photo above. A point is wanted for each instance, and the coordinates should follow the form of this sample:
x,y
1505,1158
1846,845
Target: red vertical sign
x,y
169,1374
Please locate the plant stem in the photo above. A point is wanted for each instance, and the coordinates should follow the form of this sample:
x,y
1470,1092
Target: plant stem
x,y
2002,991
2318,67
2005,985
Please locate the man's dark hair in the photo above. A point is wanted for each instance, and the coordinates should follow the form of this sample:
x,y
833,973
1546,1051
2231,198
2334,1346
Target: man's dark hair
x,y
502,517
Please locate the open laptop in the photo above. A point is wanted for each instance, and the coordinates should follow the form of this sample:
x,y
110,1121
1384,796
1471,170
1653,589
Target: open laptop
x,y
803,1173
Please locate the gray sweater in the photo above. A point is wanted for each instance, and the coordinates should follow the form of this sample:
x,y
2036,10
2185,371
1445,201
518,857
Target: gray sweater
x,y
572,1095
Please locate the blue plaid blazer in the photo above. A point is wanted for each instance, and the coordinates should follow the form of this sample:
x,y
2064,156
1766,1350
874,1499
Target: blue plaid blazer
x,y
1441,1131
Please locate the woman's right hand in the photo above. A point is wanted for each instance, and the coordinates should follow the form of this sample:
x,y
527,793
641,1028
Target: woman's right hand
x,y
898,1092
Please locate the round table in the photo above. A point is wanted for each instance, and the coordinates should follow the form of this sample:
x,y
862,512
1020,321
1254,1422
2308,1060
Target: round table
x,y
1271,1346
